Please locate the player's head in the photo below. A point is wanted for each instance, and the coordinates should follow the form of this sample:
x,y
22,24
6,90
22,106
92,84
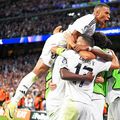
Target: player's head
x,y
84,39
102,13
101,40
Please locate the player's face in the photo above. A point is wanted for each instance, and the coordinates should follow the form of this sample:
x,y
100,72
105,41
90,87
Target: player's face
x,y
103,15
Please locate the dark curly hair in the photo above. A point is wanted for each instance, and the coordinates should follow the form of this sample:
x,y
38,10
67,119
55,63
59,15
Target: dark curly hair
x,y
101,40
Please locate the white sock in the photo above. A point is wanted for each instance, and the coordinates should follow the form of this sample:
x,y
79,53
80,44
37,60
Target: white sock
x,y
23,87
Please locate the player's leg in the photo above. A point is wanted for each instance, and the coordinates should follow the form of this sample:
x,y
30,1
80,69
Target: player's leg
x,y
69,111
110,115
46,60
53,111
40,68
114,110
75,110
24,86
85,111
117,109
99,106
29,79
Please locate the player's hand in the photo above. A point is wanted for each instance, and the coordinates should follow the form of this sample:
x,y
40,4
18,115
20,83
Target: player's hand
x,y
99,79
79,48
57,29
89,76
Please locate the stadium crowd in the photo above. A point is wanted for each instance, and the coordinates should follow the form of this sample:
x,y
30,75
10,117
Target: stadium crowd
x,y
10,76
32,24
21,7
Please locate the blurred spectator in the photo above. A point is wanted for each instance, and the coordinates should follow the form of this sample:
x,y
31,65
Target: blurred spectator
x,y
7,97
2,96
29,101
38,102
21,103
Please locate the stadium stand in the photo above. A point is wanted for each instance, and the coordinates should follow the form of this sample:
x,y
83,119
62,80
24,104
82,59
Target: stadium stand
x,y
30,23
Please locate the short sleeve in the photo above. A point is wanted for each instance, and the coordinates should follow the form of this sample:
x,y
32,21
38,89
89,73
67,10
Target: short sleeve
x,y
82,24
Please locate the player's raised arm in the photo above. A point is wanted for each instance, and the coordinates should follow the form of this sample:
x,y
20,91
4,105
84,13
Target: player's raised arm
x,y
115,62
99,52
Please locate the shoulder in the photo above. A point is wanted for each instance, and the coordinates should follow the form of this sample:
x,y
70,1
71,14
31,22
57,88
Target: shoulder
x,y
69,53
88,17
85,20
56,38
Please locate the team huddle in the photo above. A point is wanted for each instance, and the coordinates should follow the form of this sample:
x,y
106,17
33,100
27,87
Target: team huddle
x,y
80,64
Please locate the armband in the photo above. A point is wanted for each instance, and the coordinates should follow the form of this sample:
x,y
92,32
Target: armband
x,y
59,51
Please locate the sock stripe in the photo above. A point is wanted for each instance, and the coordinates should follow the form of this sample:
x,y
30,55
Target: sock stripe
x,y
26,87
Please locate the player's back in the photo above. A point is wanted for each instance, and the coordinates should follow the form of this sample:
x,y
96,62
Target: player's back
x,y
85,25
82,90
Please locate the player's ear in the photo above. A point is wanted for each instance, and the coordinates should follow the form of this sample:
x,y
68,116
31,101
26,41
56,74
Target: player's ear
x,y
97,12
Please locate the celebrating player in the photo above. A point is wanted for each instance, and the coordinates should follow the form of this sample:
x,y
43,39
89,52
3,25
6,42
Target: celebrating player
x,y
113,96
78,94
55,98
99,91
85,24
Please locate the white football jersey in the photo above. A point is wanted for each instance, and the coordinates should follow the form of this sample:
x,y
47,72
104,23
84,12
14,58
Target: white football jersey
x,y
55,97
54,40
84,25
82,90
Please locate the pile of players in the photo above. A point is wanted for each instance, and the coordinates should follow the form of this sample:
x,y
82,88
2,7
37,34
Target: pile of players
x,y
78,65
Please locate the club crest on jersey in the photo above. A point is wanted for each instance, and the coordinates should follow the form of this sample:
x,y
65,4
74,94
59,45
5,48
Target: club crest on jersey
x,y
64,61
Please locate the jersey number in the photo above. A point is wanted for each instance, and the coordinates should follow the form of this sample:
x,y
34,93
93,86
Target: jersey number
x,y
78,67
